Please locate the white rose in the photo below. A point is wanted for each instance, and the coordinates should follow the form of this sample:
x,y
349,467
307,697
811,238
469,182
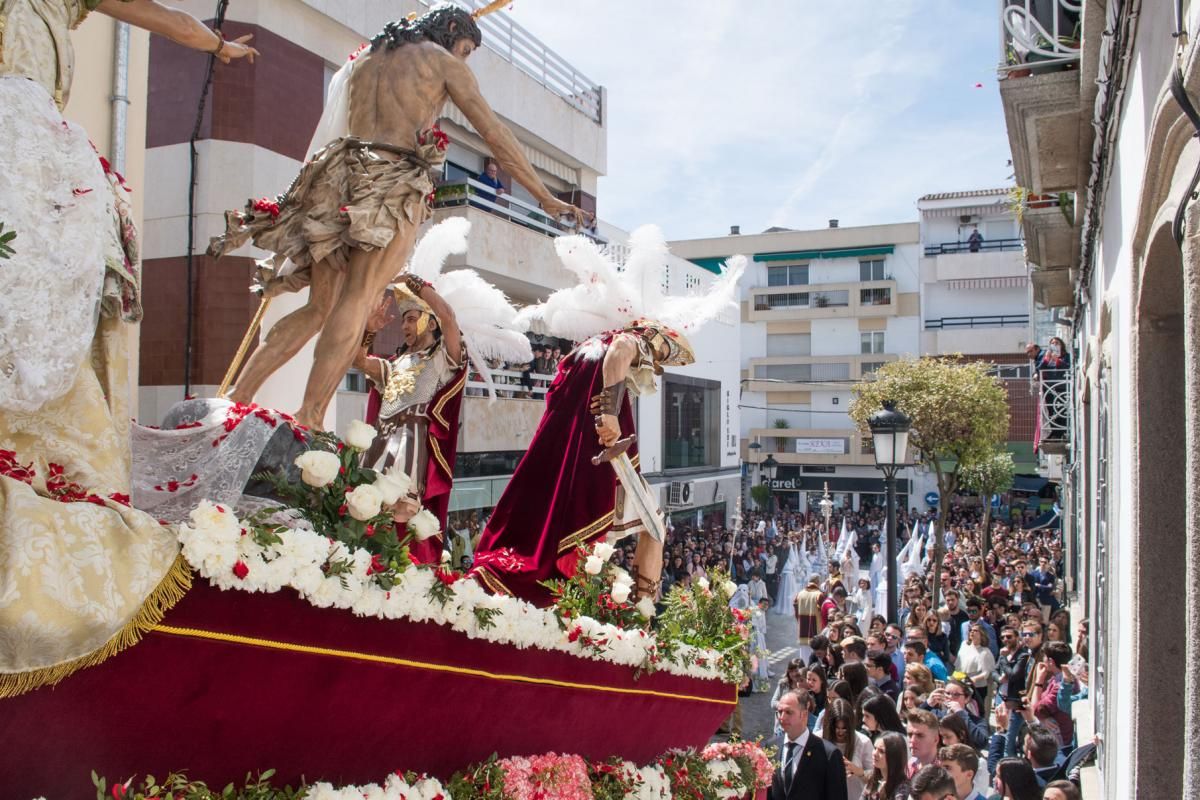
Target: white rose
x,y
593,565
603,551
392,485
361,435
646,608
621,576
702,582
423,525
620,592
729,588
364,502
318,467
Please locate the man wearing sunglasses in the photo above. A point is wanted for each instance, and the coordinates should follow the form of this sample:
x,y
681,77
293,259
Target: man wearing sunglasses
x,y
1020,683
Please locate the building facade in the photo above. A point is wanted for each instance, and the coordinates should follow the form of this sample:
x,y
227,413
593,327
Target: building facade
x,y
1105,154
821,310
976,299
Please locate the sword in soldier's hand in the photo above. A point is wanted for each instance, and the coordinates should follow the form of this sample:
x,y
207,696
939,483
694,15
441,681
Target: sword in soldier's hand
x,y
636,489
606,406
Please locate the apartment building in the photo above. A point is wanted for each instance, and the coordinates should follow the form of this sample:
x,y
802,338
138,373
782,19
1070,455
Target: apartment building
x,y
976,298
821,310
251,140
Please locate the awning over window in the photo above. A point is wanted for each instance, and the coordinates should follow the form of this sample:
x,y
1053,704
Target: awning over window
x,y
844,252
1029,483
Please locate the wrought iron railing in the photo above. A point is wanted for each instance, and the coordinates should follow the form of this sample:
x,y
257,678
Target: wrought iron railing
x,y
1055,408
1039,33
526,52
994,321
982,246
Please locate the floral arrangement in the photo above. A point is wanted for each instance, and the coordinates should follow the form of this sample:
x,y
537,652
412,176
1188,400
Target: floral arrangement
x,y
601,590
329,573
734,770
346,503
699,616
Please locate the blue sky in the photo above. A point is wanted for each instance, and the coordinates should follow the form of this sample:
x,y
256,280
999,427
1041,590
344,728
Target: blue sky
x,y
784,112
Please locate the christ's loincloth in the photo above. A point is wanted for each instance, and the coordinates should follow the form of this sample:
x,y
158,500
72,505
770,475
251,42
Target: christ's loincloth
x,y
352,195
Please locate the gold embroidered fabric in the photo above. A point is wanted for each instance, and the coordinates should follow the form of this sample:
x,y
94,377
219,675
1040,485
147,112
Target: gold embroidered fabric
x,y
75,575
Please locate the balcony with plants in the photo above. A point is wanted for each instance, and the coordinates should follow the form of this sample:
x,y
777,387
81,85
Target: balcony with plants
x,y
1040,90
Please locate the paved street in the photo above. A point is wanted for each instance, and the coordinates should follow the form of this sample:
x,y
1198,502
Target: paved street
x,y
757,717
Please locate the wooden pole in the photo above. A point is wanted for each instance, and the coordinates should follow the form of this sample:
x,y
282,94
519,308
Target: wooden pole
x,y
240,355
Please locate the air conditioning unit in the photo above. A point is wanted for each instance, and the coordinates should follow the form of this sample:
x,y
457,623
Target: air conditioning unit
x,y
965,219
680,493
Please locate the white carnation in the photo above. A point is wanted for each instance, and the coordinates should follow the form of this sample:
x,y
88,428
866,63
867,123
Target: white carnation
x,y
392,485
603,551
364,502
318,467
360,435
424,525
593,565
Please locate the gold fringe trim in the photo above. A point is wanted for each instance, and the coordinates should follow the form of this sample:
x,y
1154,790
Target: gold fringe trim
x,y
170,590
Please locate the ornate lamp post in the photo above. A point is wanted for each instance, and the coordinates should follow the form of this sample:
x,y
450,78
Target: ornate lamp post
x,y
889,430
769,467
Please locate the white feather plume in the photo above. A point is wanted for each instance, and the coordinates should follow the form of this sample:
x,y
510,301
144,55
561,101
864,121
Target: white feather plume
x,y
447,238
489,323
608,297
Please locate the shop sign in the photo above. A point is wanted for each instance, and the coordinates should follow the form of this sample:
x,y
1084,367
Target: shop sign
x,y
836,447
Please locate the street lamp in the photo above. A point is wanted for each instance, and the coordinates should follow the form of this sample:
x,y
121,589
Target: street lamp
x,y
889,431
769,467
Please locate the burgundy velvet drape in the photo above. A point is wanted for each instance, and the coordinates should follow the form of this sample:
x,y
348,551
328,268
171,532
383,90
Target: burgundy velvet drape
x,y
557,499
233,683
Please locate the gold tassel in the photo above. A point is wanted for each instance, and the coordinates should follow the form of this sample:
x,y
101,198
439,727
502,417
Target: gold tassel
x,y
170,590
495,5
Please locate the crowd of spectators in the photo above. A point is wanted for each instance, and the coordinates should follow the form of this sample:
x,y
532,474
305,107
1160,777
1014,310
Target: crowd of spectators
x,y
968,697
533,375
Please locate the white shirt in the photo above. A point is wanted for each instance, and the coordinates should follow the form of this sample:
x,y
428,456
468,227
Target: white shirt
x,y
797,754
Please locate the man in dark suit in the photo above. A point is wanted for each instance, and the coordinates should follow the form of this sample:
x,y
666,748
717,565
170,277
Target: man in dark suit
x,y
810,767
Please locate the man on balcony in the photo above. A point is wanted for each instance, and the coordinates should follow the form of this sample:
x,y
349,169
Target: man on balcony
x,y
348,223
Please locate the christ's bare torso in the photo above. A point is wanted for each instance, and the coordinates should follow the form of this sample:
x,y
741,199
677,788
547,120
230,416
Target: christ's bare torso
x,y
395,94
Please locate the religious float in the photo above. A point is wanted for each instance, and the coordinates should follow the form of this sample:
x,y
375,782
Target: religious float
x,y
263,606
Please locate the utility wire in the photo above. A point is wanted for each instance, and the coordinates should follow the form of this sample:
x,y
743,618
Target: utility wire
x,y
219,20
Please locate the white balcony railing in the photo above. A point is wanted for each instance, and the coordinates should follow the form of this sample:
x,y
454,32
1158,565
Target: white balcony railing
x,y
509,385
1039,33
526,52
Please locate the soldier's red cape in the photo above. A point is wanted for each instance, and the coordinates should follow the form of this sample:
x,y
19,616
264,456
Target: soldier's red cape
x,y
557,499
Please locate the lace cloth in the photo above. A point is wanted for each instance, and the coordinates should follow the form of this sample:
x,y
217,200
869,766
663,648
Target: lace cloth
x,y
55,195
213,458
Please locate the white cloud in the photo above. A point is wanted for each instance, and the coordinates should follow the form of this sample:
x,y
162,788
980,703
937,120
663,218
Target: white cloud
x,y
781,112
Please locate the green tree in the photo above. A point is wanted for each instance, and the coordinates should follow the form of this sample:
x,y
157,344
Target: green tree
x,y
959,416
762,496
988,476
